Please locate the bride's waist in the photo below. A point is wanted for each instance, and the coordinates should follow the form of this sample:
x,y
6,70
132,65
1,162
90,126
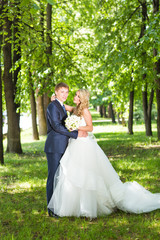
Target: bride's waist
x,y
79,139
83,137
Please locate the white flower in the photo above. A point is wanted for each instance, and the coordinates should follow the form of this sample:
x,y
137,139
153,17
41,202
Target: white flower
x,y
72,122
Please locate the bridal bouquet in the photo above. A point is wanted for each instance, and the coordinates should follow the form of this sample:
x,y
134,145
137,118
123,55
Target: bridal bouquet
x,y
72,122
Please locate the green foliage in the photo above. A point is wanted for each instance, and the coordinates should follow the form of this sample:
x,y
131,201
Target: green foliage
x,y
95,44
120,49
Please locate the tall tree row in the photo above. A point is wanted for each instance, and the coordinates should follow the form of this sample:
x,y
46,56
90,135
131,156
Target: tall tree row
x,y
125,32
13,135
147,107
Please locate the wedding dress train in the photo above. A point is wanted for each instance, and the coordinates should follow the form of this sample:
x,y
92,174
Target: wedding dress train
x,y
86,184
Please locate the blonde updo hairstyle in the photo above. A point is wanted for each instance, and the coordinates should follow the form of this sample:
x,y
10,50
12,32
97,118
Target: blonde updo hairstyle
x,y
84,102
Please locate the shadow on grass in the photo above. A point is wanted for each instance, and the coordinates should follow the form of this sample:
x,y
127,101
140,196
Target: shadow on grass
x,y
126,139
103,123
24,167
36,147
24,216
23,210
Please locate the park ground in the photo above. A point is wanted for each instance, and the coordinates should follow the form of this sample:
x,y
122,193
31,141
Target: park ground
x,y
23,213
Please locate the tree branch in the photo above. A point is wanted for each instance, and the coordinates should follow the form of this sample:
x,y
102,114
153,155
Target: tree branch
x,y
32,27
130,16
140,2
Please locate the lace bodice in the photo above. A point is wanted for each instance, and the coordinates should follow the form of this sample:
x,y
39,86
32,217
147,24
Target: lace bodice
x,y
82,122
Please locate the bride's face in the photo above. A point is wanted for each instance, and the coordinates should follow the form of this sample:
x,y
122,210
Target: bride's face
x,y
77,98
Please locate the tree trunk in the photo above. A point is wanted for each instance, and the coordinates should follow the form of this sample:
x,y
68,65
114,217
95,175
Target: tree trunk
x,y
147,118
145,112
112,112
49,28
150,111
1,112
13,136
41,116
1,116
100,110
16,57
130,119
118,118
147,109
33,110
46,99
158,112
157,69
33,113
104,111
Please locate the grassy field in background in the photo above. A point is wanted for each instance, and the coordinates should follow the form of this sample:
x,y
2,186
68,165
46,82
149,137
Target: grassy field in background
x,y
23,213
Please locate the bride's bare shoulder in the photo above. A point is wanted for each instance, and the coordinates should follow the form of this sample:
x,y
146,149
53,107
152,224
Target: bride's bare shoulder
x,y
86,112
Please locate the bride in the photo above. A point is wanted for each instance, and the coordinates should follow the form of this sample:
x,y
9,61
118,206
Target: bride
x,y
86,184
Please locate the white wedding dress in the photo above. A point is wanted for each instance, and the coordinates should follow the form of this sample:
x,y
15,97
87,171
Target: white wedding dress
x,y
86,184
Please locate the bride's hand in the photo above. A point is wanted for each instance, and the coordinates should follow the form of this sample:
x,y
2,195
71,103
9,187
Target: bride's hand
x,y
53,97
82,133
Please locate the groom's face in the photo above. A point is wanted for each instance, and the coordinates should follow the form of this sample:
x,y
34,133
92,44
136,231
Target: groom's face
x,y
62,94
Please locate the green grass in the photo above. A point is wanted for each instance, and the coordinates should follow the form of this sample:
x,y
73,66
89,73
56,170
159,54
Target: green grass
x,y
23,213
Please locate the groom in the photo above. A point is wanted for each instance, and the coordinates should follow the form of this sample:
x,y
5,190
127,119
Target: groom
x,y
57,136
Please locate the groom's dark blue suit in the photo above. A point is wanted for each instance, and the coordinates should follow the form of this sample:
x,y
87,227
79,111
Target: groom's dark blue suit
x,y
56,142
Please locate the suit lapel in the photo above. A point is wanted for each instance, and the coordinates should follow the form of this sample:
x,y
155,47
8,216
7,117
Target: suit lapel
x,y
59,107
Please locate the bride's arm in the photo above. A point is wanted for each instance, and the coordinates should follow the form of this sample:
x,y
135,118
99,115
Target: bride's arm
x,y
69,108
88,119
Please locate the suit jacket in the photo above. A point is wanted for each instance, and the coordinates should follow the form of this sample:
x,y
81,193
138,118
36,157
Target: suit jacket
x,y
57,133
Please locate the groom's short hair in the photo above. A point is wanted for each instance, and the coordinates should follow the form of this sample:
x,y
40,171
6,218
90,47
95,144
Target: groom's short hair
x,y
60,85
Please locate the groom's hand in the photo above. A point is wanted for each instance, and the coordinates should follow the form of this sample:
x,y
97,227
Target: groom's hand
x,y
82,133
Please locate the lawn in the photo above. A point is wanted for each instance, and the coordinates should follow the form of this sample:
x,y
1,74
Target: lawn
x,y
23,213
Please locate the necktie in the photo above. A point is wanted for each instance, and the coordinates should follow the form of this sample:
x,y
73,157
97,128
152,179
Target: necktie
x,y
64,108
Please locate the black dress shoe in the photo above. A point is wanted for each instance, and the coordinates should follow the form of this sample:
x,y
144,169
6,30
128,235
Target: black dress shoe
x,y
51,214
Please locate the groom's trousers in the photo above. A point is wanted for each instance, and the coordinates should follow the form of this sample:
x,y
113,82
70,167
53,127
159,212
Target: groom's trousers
x,y
53,160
